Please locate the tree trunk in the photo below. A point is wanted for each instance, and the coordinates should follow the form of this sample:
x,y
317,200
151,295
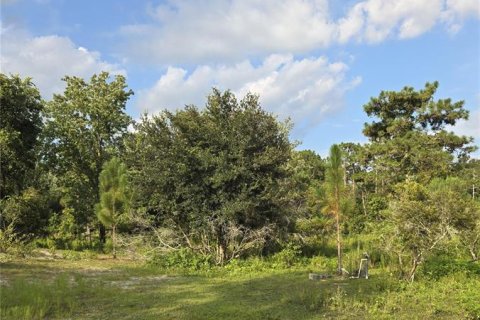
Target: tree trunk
x,y
221,252
415,264
473,254
337,216
114,240
363,203
400,264
102,233
339,247
89,234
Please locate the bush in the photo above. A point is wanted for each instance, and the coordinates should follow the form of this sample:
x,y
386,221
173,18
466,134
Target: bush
x,y
324,264
441,266
29,212
287,257
41,243
108,246
247,266
12,244
183,259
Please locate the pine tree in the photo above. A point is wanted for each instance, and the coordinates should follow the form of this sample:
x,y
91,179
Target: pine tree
x,y
112,208
334,186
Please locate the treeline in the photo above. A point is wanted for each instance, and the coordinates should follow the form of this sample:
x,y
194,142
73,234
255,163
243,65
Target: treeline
x,y
226,182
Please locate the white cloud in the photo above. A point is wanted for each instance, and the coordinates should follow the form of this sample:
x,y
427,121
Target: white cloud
x,y
459,10
47,59
306,89
375,20
196,31
205,31
470,127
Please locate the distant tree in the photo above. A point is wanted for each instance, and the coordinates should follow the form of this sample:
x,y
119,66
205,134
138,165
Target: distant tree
x,y
418,228
357,179
213,175
26,201
409,110
470,173
452,196
307,174
410,138
85,126
425,217
335,188
20,126
112,208
28,212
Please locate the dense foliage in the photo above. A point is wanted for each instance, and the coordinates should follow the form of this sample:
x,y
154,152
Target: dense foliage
x,y
84,127
222,183
214,175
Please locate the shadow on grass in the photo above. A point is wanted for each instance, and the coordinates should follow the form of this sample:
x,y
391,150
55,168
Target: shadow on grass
x,y
281,296
137,294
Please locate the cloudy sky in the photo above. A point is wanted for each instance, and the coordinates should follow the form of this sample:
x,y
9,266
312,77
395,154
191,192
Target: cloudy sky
x,y
317,62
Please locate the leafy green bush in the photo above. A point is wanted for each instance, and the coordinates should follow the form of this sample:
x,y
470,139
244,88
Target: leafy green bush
x,y
287,257
41,243
107,246
323,264
247,266
12,244
440,266
183,259
78,245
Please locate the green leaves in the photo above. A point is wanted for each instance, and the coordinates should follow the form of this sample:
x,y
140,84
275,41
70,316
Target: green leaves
x,y
335,171
20,125
210,171
425,217
113,193
410,140
114,198
85,126
337,200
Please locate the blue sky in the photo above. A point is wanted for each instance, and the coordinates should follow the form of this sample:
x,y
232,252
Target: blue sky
x,y
316,62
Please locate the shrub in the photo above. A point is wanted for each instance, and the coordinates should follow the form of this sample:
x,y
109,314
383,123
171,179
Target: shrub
x,y
324,264
13,244
288,256
183,259
247,266
440,266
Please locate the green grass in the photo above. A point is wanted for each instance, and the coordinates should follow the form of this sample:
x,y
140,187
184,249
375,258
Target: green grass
x,y
108,289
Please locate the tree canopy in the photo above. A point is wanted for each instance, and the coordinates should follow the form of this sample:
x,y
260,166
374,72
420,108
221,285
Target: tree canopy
x,y
20,125
215,173
84,127
410,137
225,182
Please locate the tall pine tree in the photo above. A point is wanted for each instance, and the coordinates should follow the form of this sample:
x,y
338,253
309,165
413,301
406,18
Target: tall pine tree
x,y
112,208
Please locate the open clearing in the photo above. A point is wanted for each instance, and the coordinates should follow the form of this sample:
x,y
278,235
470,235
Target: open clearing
x,y
122,289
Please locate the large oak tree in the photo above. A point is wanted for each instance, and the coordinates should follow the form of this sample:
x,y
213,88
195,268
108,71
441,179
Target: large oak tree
x,y
214,175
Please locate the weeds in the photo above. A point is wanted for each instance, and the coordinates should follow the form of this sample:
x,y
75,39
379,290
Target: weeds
x,y
28,299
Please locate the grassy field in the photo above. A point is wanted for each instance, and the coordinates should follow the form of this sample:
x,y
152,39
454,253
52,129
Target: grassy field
x,y
122,289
